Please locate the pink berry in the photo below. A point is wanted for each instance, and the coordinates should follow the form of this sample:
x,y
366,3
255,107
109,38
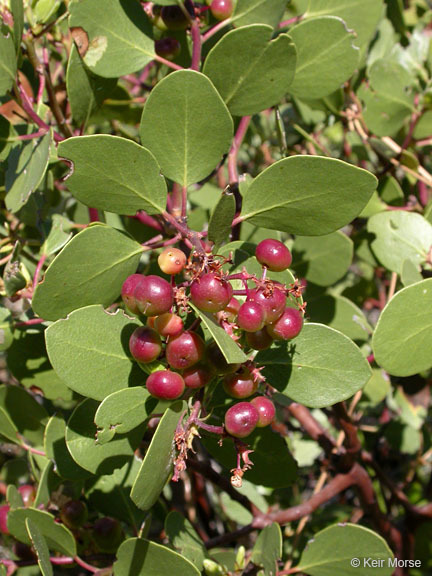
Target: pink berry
x,y
107,534
172,261
241,419
128,291
165,385
197,376
210,293
221,9
259,340
288,326
241,385
273,254
4,511
153,295
272,300
266,410
28,494
168,324
184,350
251,316
168,48
145,344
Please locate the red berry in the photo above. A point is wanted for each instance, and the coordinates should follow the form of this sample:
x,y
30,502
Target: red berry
x,y
165,385
153,295
217,360
128,291
241,419
4,511
168,48
273,254
184,350
241,385
288,326
145,344
251,316
259,340
171,260
28,494
210,293
168,324
273,301
197,376
74,514
266,410
107,534
221,9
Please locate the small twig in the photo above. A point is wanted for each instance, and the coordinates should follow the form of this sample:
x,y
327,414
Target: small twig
x,y
196,45
38,270
215,29
392,287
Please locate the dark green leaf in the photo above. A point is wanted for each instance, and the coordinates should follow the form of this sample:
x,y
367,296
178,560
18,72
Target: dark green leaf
x,y
40,546
8,64
56,449
90,269
6,329
402,342
260,74
332,550
180,113
27,415
87,452
57,536
114,174
268,549
308,195
219,226
7,428
318,368
89,351
326,56
157,464
27,164
184,539
112,36
17,9
145,558
48,482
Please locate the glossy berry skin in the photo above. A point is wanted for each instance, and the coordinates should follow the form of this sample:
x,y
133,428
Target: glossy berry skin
x,y
273,302
241,419
197,376
28,494
251,316
168,324
174,18
153,295
4,511
217,360
210,293
232,309
259,340
172,260
165,385
128,291
145,344
266,410
288,326
184,350
240,385
221,9
273,254
168,48
107,534
74,514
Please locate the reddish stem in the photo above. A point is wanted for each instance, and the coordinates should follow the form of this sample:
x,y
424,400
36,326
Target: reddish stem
x,y
215,29
27,106
290,21
148,221
38,270
93,214
31,322
196,46
235,147
168,63
38,134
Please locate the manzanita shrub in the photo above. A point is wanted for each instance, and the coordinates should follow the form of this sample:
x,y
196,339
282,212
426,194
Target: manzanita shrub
x,y
216,316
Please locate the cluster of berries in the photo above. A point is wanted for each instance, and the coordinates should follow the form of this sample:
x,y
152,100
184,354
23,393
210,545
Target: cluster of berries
x,y
262,318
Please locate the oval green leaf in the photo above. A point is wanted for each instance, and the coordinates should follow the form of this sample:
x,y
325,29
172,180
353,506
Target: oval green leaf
x,y
326,57
25,413
180,113
8,61
268,549
144,558
39,543
308,195
318,368
114,174
219,226
260,74
325,555
89,351
90,269
400,236
87,452
258,12
113,37
402,342
157,464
